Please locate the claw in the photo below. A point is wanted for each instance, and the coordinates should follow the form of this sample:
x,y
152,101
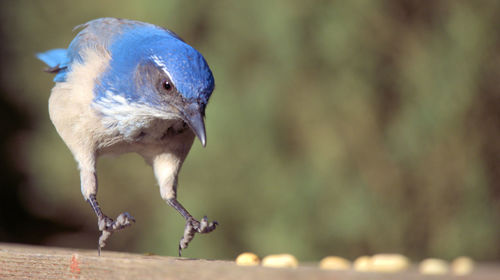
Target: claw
x,y
102,240
193,227
123,220
203,224
107,226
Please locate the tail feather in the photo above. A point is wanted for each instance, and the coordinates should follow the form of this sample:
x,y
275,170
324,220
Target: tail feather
x,y
57,60
53,58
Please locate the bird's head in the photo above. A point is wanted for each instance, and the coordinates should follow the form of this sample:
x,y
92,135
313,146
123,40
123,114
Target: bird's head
x,y
157,70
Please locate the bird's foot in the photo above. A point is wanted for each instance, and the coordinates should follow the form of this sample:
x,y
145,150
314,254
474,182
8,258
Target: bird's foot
x,y
193,227
107,226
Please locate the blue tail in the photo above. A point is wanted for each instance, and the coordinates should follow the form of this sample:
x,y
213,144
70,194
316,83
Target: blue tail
x,y
57,60
53,58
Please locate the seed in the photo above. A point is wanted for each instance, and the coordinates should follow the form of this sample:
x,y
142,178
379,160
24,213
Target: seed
x,y
247,259
362,263
280,260
462,266
334,263
389,262
382,263
433,266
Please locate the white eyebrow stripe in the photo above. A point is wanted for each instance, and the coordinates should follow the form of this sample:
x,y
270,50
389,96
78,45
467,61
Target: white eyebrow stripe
x,y
157,60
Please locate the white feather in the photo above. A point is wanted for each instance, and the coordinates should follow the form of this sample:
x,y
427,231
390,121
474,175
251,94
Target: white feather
x,y
129,118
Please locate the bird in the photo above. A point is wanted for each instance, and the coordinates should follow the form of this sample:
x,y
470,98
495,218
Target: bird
x,y
126,86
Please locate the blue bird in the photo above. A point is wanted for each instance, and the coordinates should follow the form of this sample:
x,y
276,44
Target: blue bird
x,y
128,86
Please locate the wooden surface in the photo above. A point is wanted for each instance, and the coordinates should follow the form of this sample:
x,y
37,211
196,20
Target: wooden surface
x,y
33,262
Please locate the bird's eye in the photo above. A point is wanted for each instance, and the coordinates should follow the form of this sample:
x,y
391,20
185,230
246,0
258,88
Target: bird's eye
x,y
167,85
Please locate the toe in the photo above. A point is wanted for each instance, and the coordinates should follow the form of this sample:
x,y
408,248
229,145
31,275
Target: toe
x,y
125,218
104,223
203,224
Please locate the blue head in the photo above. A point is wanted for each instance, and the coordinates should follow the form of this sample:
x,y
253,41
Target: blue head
x,y
151,66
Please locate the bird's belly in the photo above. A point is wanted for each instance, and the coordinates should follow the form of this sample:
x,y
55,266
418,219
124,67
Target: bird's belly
x,y
159,131
155,134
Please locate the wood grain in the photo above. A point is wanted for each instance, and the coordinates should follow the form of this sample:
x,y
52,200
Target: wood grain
x,y
35,262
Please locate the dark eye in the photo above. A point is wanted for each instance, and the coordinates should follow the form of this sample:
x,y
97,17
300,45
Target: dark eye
x,y
167,85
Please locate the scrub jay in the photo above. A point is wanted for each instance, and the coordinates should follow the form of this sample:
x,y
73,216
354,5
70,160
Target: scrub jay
x,y
128,86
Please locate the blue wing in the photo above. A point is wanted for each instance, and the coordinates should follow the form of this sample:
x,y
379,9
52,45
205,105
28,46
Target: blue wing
x,y
98,33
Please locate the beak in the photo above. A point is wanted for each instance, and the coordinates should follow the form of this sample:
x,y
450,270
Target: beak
x,y
194,118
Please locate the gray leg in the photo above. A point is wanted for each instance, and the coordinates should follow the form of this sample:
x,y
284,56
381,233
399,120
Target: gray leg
x,y
106,225
166,167
192,226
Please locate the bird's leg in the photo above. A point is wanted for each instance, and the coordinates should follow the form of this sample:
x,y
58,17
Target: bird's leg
x,y
192,225
106,225
166,167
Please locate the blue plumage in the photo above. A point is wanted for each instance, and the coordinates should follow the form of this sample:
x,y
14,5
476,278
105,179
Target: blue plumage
x,y
134,43
129,86
56,59
149,44
53,57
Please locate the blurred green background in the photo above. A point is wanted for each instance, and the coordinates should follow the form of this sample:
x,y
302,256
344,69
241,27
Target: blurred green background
x,y
336,128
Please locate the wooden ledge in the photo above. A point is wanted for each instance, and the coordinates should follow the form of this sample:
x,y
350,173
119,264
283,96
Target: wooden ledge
x,y
36,262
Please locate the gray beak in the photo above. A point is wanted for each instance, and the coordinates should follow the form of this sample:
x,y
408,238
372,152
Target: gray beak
x,y
194,118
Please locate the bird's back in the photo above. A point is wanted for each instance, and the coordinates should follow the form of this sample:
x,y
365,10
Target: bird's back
x,y
98,35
